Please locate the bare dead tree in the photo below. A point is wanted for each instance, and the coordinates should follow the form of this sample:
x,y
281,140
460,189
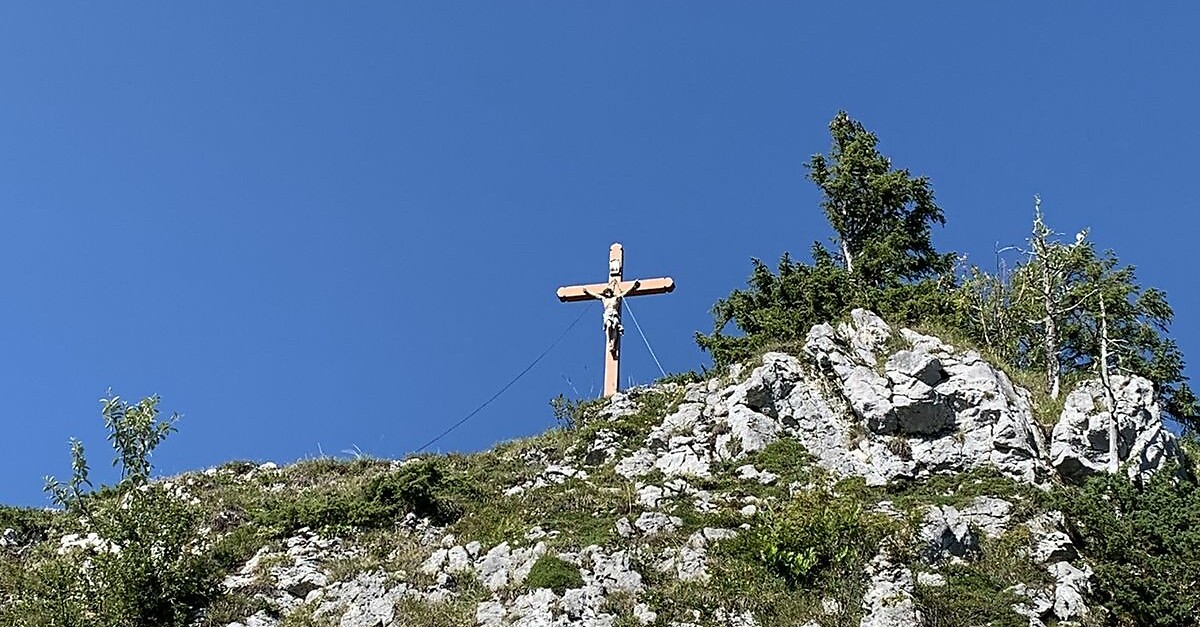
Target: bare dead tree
x,y
1052,265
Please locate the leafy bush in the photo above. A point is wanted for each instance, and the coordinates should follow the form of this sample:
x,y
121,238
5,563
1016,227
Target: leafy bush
x,y
1143,543
134,431
136,557
137,561
552,572
814,535
419,487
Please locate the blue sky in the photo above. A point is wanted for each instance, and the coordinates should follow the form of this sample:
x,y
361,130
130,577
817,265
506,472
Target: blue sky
x,y
324,227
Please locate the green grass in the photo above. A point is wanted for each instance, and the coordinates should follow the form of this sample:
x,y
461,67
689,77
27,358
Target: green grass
x,y
552,572
457,611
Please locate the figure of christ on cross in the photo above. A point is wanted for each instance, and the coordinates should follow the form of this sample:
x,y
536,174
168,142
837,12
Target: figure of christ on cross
x,y
610,295
610,298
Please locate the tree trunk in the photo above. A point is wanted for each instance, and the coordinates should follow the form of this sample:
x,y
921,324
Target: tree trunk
x,y
1051,338
1053,369
847,258
1114,454
1050,342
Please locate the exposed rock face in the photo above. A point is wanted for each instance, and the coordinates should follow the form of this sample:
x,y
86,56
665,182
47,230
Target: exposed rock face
x,y
947,534
603,574
889,598
296,572
928,408
1080,442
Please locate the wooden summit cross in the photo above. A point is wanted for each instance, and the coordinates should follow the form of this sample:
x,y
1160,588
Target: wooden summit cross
x,y
610,295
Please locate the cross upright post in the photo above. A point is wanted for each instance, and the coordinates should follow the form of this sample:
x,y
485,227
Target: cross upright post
x,y
611,294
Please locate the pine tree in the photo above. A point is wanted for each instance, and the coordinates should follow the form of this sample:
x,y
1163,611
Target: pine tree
x,y
882,218
882,215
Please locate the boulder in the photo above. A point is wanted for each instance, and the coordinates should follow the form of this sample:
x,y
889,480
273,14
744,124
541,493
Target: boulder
x,y
1080,441
917,365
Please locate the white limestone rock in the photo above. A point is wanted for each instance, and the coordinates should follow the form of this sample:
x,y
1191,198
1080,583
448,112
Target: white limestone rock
x,y
866,333
888,601
932,580
259,619
651,523
871,399
1071,587
1080,441
643,614
946,534
989,514
365,601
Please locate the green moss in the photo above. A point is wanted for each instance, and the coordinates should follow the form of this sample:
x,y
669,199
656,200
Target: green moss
x,y
554,573
456,611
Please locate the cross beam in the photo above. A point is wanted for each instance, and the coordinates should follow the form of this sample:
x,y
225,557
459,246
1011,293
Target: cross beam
x,y
611,294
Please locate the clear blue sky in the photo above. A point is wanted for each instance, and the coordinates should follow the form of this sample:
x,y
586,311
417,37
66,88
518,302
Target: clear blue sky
x,y
324,226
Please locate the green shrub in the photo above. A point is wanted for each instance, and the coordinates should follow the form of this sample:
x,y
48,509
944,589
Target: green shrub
x,y
980,592
420,487
136,557
567,412
554,573
968,599
785,457
814,535
1143,543
29,525
144,565
683,378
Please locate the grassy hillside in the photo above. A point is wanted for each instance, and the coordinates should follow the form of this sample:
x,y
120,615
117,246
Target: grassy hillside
x,y
771,538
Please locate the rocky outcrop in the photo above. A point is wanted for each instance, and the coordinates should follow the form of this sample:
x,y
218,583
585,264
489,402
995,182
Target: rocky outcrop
x,y
1080,442
926,408
885,405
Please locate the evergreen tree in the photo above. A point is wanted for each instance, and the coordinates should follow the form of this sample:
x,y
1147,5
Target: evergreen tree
x,y
886,261
882,215
778,308
1127,326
